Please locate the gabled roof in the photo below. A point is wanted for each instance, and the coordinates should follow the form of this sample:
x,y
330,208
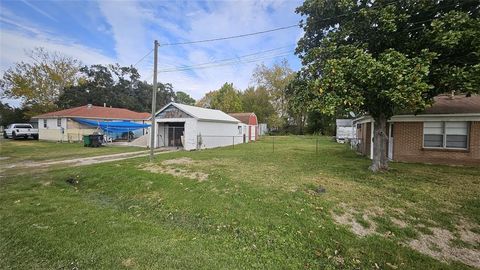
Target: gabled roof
x,y
96,112
201,113
243,117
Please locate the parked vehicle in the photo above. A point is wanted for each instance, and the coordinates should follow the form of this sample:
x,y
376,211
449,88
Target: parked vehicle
x,y
16,131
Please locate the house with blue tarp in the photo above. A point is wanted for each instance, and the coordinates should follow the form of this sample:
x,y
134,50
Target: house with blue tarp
x,y
117,124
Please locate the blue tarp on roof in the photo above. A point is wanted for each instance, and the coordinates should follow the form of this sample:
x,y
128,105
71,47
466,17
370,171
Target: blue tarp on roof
x,y
117,126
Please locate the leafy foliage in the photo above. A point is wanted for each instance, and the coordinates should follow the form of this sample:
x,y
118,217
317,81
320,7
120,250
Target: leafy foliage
x,y
184,98
114,86
10,115
226,99
384,57
40,81
275,80
256,99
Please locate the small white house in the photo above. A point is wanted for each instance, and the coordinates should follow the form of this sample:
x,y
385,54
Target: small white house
x,y
189,127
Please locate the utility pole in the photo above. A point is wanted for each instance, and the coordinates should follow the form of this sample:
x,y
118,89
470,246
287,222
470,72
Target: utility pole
x,y
154,100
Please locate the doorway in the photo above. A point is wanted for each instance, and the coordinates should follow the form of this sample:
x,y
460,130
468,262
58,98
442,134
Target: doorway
x,y
175,135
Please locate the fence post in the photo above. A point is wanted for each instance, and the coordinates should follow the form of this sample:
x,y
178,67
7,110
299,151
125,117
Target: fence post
x,y
273,144
233,142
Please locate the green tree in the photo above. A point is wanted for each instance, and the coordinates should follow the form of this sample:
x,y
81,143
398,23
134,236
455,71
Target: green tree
x,y
257,100
226,99
206,101
275,80
10,115
184,98
40,81
384,57
114,86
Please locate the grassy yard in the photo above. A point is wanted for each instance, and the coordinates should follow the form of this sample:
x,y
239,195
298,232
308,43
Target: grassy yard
x,y
243,207
32,150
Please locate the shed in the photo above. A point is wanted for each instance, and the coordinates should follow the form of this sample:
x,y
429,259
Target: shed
x,y
249,119
191,127
345,130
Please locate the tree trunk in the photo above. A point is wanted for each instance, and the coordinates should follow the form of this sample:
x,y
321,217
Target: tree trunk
x,y
380,142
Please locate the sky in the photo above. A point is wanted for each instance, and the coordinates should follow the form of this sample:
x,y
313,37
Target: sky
x,y
105,32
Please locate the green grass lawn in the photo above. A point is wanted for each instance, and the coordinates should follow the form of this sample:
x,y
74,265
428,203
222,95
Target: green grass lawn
x,y
243,207
33,150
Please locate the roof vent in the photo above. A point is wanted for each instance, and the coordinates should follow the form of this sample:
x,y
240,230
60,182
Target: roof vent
x,y
89,106
104,104
452,94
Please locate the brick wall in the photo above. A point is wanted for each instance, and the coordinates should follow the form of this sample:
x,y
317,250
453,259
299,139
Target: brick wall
x,y
408,146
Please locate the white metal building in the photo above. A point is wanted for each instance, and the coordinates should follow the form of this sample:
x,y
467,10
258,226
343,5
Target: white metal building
x,y
191,127
345,130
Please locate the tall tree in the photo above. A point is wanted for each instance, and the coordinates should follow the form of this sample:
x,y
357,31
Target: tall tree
x,y
184,98
383,57
115,86
226,99
256,99
40,81
276,79
206,101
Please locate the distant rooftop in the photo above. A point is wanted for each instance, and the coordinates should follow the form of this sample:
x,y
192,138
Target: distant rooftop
x,y
243,117
447,104
96,112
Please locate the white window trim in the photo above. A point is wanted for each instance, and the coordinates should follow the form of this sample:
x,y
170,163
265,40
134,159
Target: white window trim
x,y
444,147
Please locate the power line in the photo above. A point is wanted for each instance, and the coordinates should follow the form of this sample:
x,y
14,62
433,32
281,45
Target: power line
x,y
238,58
231,37
228,63
141,59
263,32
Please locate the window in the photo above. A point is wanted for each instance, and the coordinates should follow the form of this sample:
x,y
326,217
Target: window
x,y
239,130
44,123
59,122
456,134
445,134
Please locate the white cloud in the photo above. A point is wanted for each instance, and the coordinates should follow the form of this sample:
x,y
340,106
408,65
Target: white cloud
x,y
134,25
226,19
13,45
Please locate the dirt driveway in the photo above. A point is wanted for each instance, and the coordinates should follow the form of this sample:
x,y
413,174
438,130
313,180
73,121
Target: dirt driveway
x,y
5,166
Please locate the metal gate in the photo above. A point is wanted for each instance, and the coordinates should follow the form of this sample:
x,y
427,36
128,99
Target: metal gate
x,y
175,136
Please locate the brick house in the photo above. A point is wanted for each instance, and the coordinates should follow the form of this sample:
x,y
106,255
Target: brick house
x,y
446,133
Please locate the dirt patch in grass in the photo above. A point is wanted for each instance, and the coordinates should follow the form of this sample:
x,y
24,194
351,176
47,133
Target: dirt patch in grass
x,y
360,223
432,240
467,235
398,222
168,167
128,263
178,161
437,245
200,176
357,228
